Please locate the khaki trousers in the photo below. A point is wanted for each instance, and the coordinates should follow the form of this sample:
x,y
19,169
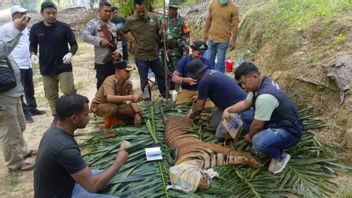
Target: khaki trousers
x,y
12,125
109,110
185,97
51,88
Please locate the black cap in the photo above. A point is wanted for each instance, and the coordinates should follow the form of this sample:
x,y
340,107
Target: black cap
x,y
123,65
196,67
199,46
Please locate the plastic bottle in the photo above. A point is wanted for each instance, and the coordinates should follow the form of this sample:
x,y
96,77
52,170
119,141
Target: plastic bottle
x,y
229,64
174,94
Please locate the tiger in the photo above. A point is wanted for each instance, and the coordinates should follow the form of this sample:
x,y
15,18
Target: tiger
x,y
191,148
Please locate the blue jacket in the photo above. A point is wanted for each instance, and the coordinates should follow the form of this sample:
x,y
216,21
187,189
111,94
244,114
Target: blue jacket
x,y
285,115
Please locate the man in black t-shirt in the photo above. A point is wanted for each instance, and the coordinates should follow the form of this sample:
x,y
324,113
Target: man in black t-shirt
x,y
60,170
53,38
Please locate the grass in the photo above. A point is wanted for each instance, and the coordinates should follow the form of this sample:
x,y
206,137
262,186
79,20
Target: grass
x,y
159,3
296,14
347,193
339,39
280,21
11,180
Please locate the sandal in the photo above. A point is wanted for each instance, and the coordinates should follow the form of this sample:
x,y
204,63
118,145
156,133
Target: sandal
x,y
24,167
30,154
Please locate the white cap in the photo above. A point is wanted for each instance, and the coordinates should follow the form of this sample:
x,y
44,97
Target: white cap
x,y
18,8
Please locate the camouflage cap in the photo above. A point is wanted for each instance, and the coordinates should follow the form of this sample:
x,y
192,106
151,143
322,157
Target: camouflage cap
x,y
174,3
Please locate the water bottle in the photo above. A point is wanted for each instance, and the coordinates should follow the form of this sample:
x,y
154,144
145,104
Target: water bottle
x,y
174,94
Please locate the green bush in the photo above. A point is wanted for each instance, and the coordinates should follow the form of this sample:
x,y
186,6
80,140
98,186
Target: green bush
x,y
296,14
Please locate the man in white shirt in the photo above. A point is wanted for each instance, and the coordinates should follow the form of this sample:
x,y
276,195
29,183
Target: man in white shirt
x,y
21,56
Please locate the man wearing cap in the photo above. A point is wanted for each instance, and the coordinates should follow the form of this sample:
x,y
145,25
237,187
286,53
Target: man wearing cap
x,y
115,98
221,30
222,90
143,30
177,36
22,57
276,125
179,76
101,33
53,38
12,121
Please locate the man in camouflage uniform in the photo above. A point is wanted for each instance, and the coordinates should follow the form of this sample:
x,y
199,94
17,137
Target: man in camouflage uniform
x,y
177,36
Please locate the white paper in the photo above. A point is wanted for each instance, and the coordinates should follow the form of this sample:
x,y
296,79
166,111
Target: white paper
x,y
153,153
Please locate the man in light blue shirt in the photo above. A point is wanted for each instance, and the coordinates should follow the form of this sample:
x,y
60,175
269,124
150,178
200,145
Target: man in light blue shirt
x,y
12,122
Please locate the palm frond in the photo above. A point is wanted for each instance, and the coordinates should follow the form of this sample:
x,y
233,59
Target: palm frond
x,y
308,174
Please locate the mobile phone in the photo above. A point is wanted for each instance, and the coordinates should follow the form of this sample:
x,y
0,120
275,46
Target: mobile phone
x,y
28,19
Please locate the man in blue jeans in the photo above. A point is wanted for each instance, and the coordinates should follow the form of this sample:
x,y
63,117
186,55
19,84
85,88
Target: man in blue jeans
x,y
221,29
143,29
276,125
60,170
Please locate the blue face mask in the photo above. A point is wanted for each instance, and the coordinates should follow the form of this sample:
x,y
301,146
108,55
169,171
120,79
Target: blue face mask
x,y
223,2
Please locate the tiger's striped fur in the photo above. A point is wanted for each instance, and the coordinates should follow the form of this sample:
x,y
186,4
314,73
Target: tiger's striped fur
x,y
191,148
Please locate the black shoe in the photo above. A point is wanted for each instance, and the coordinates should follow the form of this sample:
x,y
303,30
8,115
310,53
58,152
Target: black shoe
x,y
36,112
29,119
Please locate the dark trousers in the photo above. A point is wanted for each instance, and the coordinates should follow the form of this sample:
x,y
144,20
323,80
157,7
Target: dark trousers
x,y
155,66
27,82
125,52
103,71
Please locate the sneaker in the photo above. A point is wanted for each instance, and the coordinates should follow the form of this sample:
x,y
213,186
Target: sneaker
x,y
29,119
276,166
35,112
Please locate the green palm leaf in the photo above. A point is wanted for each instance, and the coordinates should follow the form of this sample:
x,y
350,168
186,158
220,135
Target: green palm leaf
x,y
308,173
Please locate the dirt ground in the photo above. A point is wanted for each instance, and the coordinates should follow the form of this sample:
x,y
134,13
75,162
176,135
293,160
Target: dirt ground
x,y
16,185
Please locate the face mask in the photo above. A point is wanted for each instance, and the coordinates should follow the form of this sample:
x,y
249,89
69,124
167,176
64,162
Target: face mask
x,y
223,2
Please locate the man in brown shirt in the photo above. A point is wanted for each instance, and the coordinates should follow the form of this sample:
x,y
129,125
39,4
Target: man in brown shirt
x,y
221,31
143,30
115,99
